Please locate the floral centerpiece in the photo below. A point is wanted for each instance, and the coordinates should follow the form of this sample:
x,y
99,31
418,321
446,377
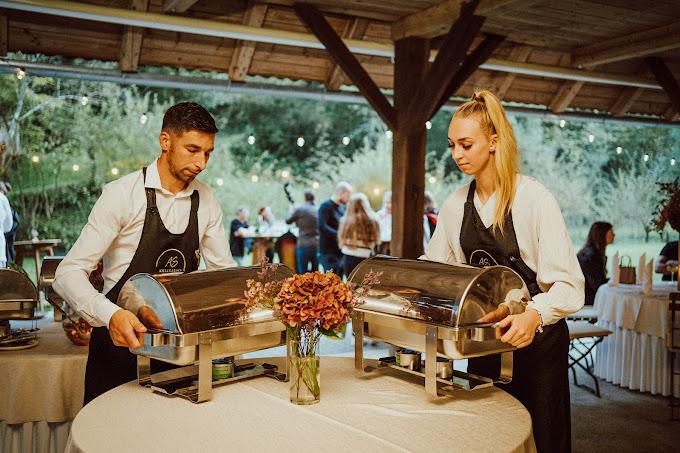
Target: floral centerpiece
x,y
310,305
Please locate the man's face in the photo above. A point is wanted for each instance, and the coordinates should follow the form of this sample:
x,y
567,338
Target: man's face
x,y
345,196
187,152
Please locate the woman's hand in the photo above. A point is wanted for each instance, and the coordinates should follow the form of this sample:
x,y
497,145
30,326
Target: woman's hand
x,y
522,328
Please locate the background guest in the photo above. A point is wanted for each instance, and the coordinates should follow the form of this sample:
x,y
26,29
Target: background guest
x,y
265,223
305,217
593,259
430,213
8,223
384,216
330,213
237,229
359,232
667,261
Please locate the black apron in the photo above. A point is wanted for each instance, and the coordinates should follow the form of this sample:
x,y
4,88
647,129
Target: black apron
x,y
159,251
539,376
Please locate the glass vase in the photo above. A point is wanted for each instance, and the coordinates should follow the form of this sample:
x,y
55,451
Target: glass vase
x,y
305,382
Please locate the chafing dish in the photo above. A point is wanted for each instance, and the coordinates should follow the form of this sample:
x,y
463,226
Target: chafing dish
x,y
437,309
195,318
48,270
18,299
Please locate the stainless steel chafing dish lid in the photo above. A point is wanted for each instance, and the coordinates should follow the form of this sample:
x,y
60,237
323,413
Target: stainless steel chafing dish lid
x,y
443,294
47,271
197,301
18,295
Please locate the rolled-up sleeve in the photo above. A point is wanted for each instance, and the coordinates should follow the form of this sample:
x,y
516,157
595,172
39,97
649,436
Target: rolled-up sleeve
x,y
71,280
558,271
214,247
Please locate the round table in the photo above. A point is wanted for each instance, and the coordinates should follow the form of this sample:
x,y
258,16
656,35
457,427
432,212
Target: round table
x,y
41,390
370,412
635,356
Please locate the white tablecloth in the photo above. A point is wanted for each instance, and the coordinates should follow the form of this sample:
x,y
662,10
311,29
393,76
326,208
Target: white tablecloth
x,y
374,412
41,391
635,356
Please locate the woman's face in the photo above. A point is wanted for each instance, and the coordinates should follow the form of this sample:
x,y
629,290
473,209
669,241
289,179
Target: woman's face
x,y
609,237
471,147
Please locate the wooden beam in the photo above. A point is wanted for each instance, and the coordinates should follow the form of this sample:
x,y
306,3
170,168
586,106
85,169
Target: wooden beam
x,y
4,35
444,68
243,53
318,25
565,95
355,29
131,42
437,19
671,114
632,45
625,101
478,56
666,79
408,151
503,82
177,6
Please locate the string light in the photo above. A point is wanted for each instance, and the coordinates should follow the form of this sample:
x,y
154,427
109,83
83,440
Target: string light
x,y
285,174
84,100
428,125
432,179
672,161
251,139
591,138
645,157
114,171
219,182
376,191
316,185
20,73
563,123
35,159
619,150
345,140
301,142
388,134
76,167
143,119
254,178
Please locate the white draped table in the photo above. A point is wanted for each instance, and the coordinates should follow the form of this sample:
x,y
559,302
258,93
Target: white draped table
x,y
375,412
41,391
635,356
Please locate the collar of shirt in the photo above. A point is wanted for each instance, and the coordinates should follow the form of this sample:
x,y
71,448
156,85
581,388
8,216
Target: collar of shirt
x,y
153,181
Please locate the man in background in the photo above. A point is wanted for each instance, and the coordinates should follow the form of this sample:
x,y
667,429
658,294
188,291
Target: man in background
x,y
330,213
305,217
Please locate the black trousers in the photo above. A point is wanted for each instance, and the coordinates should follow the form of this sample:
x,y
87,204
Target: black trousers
x,y
109,366
541,383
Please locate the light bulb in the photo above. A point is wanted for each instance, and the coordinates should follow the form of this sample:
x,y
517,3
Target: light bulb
x,y
76,167
219,182
35,159
251,139
345,141
114,171
645,157
619,150
428,125
591,138
376,191
20,73
84,100
254,178
301,142
388,134
563,123
672,161
285,174
315,185
143,119
432,179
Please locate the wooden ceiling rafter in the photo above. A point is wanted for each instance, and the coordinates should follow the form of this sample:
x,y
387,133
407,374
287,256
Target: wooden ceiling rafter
x,y
177,6
242,56
666,79
355,29
4,35
567,92
627,97
337,49
131,41
631,45
501,85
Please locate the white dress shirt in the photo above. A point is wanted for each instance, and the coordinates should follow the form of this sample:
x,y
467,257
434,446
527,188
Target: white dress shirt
x,y
5,226
113,232
543,241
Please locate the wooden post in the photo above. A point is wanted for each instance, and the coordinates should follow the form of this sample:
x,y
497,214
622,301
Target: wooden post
x,y
408,150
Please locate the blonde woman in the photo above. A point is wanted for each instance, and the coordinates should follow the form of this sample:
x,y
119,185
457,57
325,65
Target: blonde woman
x,y
358,233
503,217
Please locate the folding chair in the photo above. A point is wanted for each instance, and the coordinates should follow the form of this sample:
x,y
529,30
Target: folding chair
x,y
673,343
587,313
583,337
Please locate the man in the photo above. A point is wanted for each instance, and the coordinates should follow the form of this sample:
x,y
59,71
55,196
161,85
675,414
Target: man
x,y
158,219
237,230
308,238
667,261
6,222
330,213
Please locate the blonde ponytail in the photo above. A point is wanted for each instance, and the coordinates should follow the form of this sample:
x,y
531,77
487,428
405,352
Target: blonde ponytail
x,y
487,109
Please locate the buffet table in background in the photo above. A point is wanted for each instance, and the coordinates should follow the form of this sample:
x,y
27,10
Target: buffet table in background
x,y
635,355
374,412
41,391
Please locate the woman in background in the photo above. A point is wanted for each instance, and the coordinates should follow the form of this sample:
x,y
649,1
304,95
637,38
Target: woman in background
x,y
358,233
593,259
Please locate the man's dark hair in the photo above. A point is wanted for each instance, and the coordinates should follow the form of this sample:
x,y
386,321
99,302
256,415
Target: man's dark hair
x,y
188,116
309,195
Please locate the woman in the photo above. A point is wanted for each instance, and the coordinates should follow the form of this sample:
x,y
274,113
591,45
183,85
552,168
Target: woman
x,y
506,218
358,232
593,259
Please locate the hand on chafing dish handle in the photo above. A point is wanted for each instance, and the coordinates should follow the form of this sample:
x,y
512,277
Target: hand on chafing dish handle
x,y
522,328
126,330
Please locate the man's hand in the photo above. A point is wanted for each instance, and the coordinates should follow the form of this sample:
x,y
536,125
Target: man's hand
x,y
522,328
126,330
